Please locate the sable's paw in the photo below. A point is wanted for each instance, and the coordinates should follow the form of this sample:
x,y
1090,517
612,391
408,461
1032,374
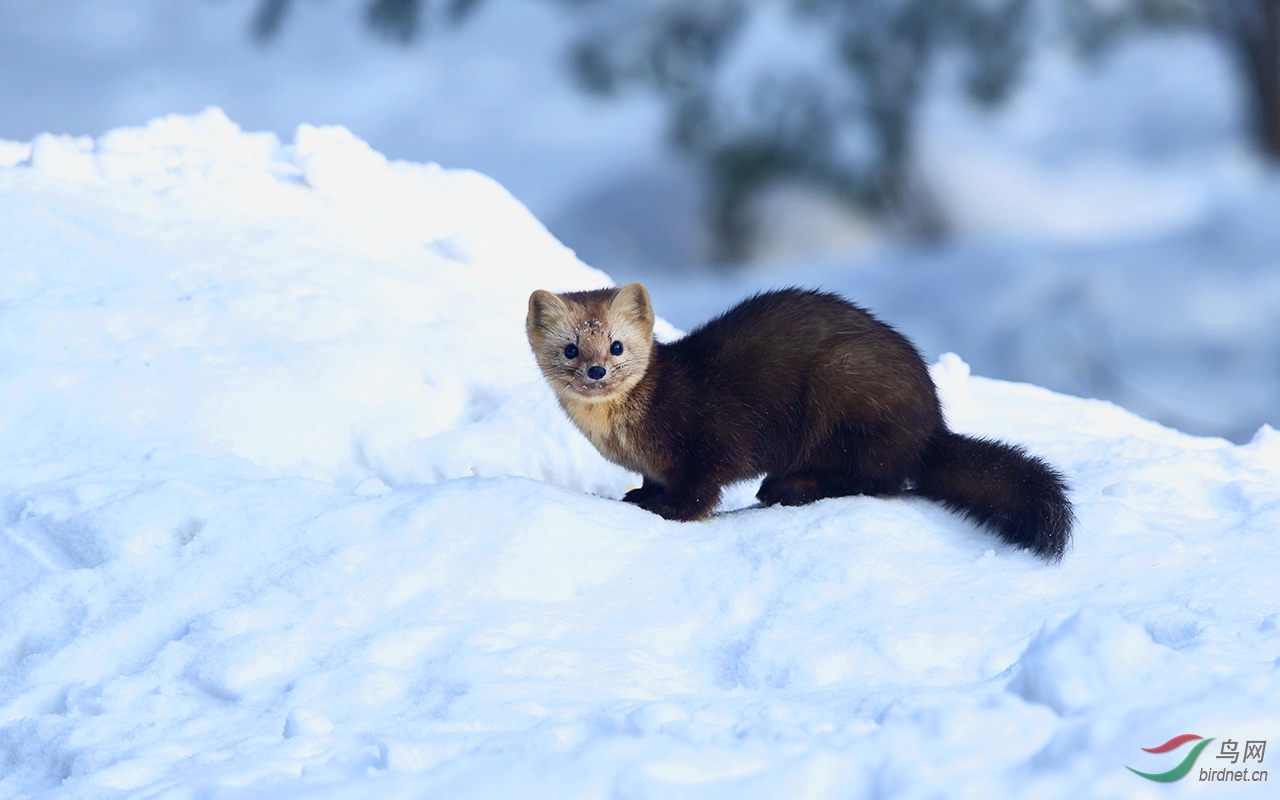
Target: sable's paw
x,y
641,494
667,508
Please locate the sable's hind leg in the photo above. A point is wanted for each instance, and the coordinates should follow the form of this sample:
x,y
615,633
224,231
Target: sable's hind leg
x,y
847,463
789,490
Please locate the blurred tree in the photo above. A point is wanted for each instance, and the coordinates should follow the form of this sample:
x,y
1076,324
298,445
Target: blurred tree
x,y
398,20
1252,29
1249,28
818,92
823,93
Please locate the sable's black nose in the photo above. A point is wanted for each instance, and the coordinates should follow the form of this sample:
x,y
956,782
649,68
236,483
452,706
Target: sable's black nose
x,y
595,373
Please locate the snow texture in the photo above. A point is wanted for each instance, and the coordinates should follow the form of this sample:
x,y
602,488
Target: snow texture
x,y
288,512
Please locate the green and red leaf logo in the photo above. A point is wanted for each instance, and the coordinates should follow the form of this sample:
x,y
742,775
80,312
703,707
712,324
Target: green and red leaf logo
x,y
1180,771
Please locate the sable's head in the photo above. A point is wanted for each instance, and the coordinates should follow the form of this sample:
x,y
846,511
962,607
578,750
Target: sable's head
x,y
592,346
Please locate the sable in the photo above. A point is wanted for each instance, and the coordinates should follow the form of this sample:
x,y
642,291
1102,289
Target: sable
x,y
802,387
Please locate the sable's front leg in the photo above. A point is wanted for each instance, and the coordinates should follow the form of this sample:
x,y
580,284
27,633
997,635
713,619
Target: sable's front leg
x,y
647,490
684,503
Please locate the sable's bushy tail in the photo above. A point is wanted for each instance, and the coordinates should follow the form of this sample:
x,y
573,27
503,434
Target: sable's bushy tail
x,y
1002,487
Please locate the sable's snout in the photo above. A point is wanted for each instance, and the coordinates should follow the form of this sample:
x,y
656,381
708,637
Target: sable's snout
x,y
595,373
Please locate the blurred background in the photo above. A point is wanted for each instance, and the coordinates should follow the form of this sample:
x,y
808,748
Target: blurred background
x,y
1082,194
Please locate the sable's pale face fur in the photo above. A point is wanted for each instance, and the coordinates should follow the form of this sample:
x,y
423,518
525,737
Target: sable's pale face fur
x,y
591,322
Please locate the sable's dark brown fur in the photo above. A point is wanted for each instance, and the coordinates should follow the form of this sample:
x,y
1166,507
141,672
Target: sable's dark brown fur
x,y
803,387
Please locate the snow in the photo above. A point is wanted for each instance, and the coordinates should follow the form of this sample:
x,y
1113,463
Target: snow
x,y
288,512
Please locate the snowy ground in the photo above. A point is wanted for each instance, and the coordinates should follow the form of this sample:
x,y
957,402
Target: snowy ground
x,y
288,513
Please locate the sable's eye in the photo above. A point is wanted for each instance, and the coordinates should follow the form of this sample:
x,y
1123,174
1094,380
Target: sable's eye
x,y
616,348
571,351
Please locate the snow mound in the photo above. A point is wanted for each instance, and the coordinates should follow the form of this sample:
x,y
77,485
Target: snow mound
x,y
288,511
1075,664
311,308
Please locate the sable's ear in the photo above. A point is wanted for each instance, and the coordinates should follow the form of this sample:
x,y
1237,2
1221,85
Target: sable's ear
x,y
633,301
544,309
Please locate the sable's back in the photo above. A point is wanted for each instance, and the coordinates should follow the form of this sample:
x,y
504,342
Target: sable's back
x,y
781,373
798,329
